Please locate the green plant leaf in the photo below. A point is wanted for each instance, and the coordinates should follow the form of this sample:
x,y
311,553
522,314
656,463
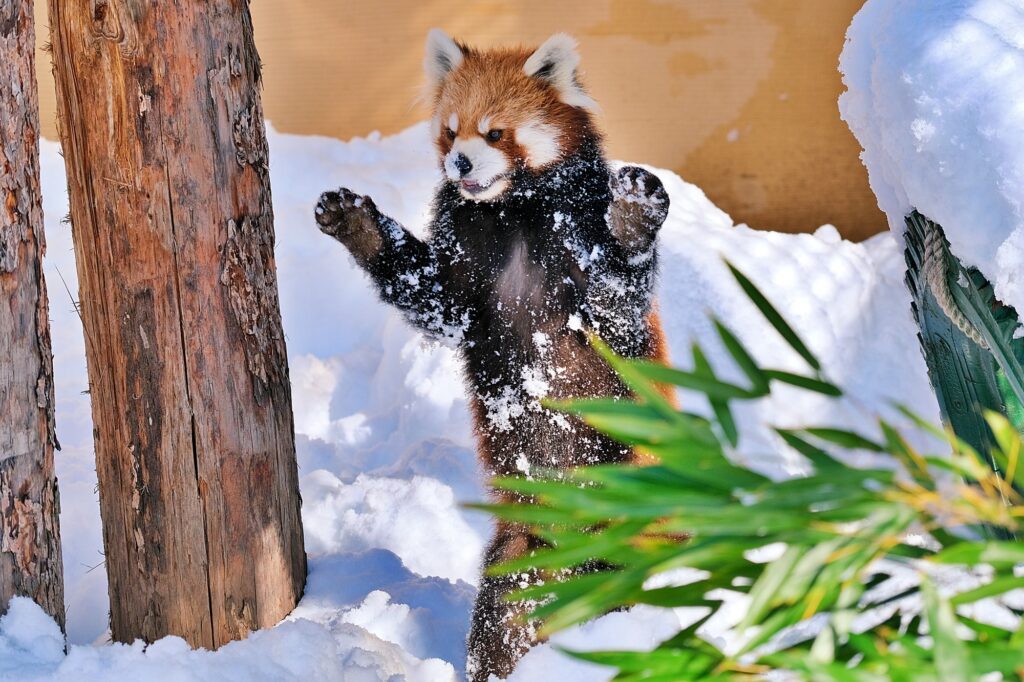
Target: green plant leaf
x,y
999,586
951,657
644,389
998,554
768,584
822,460
705,383
774,317
744,360
845,439
1008,456
719,405
808,383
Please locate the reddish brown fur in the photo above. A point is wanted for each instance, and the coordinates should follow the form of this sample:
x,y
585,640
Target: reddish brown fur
x,y
492,83
506,283
659,352
659,349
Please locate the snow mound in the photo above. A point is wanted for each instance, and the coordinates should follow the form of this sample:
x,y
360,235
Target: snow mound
x,y
934,94
847,301
404,516
384,437
31,649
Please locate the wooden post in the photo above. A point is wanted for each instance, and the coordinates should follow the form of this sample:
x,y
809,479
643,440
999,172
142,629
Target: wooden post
x,y
30,558
166,154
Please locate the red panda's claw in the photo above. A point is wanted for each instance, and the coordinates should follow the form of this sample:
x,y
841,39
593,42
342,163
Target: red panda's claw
x,y
636,185
336,212
639,207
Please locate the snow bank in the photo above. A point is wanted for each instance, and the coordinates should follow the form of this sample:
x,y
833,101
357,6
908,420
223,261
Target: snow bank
x,y
847,301
31,648
384,437
936,98
403,516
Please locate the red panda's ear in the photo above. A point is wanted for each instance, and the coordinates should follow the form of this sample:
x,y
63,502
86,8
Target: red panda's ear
x,y
557,61
443,56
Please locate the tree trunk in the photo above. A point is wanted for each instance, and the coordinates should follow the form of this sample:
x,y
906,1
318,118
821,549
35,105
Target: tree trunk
x,y
30,559
166,155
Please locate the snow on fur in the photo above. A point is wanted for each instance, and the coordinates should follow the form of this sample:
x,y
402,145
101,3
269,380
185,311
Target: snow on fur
x,y
934,94
384,442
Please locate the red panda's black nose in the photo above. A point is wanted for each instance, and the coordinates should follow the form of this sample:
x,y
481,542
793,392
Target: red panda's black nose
x,y
463,164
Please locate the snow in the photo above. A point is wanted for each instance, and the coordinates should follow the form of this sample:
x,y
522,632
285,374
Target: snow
x,y
394,514
935,94
847,301
384,436
32,649
640,629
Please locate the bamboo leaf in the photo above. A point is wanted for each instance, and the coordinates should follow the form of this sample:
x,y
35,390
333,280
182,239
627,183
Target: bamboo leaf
x,y
771,581
1009,453
774,317
822,460
720,406
809,383
951,658
1000,585
640,385
845,439
705,383
999,554
745,361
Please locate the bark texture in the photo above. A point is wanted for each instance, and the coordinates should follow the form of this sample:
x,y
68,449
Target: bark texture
x,y
162,126
30,558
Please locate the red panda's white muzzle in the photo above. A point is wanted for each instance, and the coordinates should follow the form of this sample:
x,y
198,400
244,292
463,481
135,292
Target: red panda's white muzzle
x,y
478,168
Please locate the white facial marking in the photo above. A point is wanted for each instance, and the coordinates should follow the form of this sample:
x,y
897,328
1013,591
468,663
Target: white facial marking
x,y
453,122
435,127
556,61
485,180
540,141
484,126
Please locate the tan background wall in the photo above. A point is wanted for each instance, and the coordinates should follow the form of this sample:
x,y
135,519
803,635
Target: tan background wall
x,y
738,96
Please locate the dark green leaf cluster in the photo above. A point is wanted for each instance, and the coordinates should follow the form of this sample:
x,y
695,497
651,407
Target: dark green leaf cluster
x,y
807,555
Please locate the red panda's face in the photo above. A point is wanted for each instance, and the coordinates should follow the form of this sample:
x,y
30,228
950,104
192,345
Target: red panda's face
x,y
501,112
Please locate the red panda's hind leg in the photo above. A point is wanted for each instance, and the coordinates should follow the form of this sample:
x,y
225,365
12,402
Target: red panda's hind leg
x,y
500,633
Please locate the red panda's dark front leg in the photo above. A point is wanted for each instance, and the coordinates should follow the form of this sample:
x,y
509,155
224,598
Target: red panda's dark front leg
x,y
404,269
354,221
620,278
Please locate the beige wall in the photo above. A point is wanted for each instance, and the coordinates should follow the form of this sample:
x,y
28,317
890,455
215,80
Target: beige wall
x,y
738,96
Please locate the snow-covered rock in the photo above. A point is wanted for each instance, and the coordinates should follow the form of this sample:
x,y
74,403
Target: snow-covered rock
x,y
935,94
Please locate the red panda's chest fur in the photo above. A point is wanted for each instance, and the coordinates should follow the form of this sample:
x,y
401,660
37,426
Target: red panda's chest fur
x,y
524,269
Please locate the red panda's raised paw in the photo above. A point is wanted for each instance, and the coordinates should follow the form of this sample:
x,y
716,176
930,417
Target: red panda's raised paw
x,y
336,210
639,207
352,219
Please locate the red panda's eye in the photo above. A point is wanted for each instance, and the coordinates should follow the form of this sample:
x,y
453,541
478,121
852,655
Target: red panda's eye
x,y
449,133
494,135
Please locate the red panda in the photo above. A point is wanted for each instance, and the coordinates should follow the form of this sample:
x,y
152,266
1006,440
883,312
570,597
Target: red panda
x,y
534,242
504,109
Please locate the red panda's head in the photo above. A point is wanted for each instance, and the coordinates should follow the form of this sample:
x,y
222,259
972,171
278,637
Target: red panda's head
x,y
500,112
